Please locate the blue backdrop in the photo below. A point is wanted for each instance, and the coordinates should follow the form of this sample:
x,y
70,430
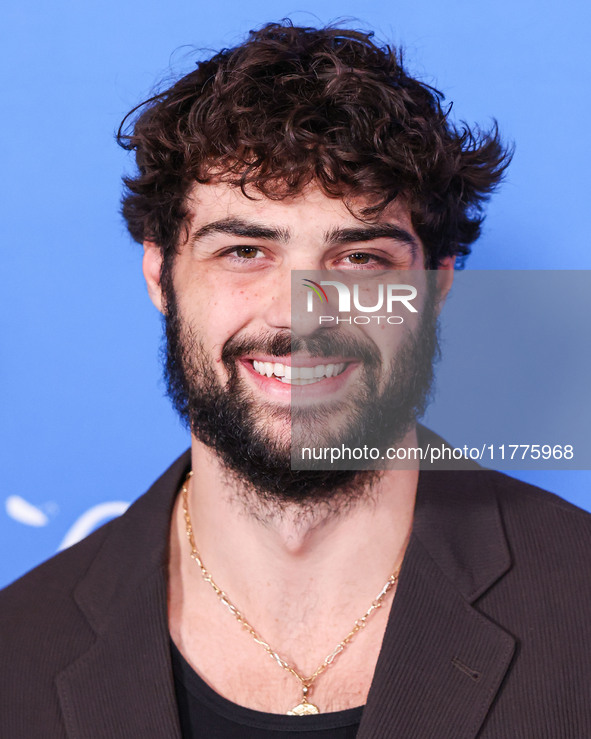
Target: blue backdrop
x,y
85,426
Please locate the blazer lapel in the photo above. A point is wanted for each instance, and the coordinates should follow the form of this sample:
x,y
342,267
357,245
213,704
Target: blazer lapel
x,y
123,685
442,661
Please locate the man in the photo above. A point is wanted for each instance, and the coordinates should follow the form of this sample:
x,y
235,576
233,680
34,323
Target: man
x,y
238,590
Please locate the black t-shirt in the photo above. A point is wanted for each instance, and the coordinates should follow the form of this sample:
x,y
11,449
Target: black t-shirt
x,y
206,715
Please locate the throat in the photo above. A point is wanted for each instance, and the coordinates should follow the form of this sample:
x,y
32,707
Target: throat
x,y
295,530
294,526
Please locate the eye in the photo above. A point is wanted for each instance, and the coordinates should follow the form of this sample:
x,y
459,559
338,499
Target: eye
x,y
245,252
362,259
244,258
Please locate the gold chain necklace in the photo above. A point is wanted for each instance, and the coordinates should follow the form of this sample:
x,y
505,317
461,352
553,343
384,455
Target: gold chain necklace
x,y
304,707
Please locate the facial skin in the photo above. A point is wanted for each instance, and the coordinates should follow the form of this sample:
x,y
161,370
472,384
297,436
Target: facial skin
x,y
229,304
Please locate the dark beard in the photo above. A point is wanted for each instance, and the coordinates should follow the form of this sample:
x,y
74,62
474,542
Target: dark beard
x,y
232,422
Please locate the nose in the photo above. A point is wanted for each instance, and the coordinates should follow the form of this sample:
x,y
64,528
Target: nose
x,y
277,295
296,301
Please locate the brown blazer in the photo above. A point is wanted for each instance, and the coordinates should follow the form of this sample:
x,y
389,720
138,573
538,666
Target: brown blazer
x,y
488,636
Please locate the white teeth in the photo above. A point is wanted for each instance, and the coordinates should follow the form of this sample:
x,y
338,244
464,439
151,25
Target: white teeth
x,y
299,381
297,375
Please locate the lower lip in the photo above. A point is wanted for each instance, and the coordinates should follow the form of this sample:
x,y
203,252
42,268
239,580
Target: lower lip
x,y
312,391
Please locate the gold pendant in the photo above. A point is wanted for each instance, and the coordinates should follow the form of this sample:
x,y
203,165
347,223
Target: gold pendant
x,y
304,709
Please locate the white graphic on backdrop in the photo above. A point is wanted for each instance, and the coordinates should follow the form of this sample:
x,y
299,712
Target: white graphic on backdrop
x,y
90,520
26,513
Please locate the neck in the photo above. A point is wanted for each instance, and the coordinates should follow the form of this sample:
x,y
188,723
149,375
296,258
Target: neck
x,y
289,563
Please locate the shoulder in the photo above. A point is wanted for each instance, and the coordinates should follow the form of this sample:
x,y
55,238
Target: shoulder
x,y
531,517
59,597
43,629
550,545
537,515
52,580
58,612
547,589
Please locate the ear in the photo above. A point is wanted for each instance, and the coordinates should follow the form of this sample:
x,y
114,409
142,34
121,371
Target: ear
x,y
152,268
445,278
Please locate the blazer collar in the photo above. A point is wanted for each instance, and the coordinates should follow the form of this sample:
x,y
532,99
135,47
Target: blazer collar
x,y
123,685
458,521
136,548
441,661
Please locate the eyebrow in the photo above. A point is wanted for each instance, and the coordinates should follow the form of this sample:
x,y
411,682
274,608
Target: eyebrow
x,y
370,233
241,227
336,236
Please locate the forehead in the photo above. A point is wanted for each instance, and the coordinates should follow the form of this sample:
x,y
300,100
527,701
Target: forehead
x,y
311,211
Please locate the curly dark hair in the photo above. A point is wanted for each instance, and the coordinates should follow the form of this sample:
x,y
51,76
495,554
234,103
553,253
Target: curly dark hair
x,y
294,105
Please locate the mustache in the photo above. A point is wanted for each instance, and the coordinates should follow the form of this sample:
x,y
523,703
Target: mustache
x,y
321,343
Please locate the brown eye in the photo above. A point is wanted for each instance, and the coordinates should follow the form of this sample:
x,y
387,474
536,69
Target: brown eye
x,y
246,252
359,258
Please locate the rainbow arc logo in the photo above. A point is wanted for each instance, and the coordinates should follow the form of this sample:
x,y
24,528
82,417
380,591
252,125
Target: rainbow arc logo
x,y
318,289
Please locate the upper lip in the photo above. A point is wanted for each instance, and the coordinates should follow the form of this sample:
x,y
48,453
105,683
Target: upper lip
x,y
298,360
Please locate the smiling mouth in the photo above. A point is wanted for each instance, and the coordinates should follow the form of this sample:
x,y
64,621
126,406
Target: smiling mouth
x,y
291,375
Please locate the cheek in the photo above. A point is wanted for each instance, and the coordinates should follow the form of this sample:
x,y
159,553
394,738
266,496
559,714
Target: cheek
x,y
388,337
216,315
